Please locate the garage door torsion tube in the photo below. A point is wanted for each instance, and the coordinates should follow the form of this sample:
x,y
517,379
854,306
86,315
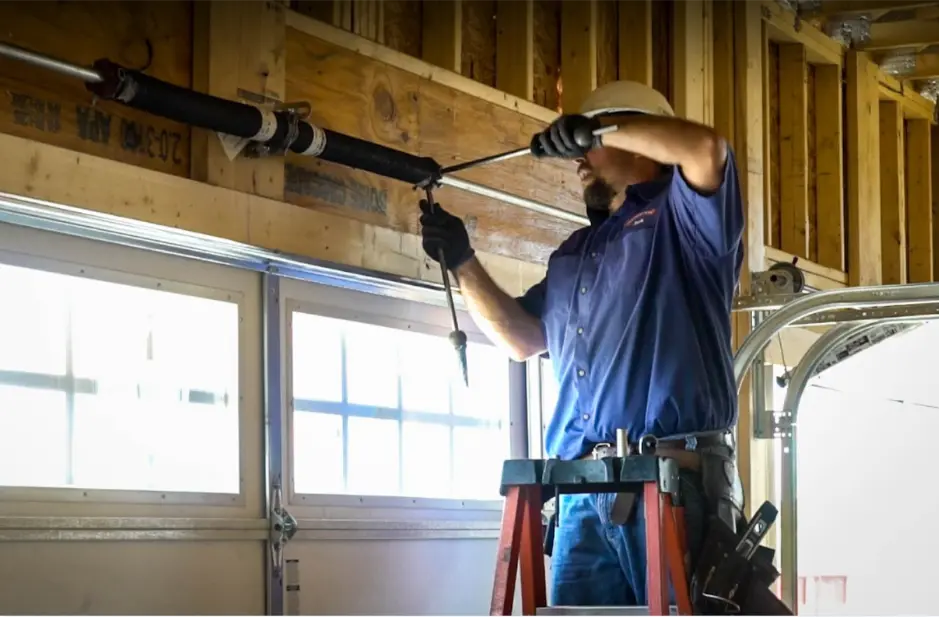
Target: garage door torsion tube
x,y
160,98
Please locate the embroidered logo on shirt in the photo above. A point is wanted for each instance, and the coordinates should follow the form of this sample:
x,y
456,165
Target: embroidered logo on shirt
x,y
639,218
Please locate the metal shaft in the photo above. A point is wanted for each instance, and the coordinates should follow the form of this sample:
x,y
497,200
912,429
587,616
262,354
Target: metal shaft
x,y
495,158
52,64
457,337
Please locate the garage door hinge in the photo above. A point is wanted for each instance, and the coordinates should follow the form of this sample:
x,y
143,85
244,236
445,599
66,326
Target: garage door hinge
x,y
283,528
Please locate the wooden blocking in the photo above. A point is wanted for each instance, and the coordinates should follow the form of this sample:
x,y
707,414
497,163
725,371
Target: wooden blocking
x,y
692,50
919,191
829,167
578,52
635,40
442,33
363,98
239,55
515,45
371,99
50,108
862,170
892,194
794,149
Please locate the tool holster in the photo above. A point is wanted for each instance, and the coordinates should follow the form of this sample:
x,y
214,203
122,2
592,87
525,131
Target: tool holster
x,y
727,583
721,482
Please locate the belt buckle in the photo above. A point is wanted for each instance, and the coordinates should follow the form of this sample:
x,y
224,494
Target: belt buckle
x,y
603,450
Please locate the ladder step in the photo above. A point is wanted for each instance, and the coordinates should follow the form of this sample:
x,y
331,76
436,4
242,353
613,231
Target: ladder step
x,y
598,610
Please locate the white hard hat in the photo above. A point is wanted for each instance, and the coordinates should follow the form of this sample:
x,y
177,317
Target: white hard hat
x,y
625,96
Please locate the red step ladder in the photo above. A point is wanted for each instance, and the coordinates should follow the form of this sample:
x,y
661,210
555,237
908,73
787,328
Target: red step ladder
x,y
521,541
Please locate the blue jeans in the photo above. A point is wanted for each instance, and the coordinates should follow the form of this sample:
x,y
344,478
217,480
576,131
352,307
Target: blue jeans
x,y
598,563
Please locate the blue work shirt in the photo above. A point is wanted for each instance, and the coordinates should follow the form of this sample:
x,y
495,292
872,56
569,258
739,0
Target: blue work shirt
x,y
636,313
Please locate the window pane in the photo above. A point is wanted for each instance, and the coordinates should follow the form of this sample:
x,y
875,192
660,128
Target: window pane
x,y
372,365
373,456
549,388
146,376
317,358
488,394
475,476
33,437
427,367
317,453
33,321
405,405
426,460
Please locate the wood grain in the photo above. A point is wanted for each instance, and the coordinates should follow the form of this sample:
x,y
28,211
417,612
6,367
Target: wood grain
x,y
919,190
862,170
793,149
547,70
608,41
54,174
54,109
478,58
370,100
829,167
403,26
892,194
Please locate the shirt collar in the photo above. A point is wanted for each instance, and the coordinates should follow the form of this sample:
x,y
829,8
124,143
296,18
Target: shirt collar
x,y
644,192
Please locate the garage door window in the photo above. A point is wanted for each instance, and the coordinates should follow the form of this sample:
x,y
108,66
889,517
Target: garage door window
x,y
112,386
383,411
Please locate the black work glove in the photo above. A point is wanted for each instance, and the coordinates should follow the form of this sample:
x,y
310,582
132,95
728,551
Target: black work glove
x,y
442,230
568,137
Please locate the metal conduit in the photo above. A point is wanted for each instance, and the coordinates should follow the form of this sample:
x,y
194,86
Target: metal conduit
x,y
816,302
88,75
797,384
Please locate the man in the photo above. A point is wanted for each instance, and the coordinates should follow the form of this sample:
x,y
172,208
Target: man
x,y
635,312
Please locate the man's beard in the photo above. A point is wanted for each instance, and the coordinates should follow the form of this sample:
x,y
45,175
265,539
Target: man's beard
x,y
598,197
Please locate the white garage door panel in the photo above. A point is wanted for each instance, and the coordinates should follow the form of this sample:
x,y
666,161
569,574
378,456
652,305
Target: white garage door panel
x,y
396,577
132,578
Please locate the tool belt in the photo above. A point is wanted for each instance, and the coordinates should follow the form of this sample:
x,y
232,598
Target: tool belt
x,y
710,454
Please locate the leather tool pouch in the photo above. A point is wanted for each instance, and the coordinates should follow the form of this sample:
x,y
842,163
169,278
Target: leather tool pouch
x,y
726,583
721,485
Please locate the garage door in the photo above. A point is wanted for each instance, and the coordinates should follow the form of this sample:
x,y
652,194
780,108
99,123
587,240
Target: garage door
x,y
132,473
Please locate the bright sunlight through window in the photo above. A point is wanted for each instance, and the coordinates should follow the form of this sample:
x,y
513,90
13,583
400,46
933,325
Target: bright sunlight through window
x,y
381,411
108,386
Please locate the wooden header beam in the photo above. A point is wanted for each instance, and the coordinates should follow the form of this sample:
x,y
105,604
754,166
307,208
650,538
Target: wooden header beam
x,y
57,175
419,67
899,34
784,26
860,7
913,103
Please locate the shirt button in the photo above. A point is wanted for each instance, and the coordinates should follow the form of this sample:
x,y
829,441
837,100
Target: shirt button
x,y
583,290
580,330
593,254
586,416
580,372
